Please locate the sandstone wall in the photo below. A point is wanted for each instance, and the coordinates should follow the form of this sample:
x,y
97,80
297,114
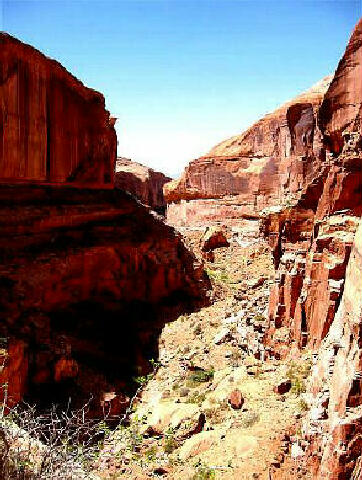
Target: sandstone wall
x,y
52,128
87,282
88,276
334,421
312,239
316,299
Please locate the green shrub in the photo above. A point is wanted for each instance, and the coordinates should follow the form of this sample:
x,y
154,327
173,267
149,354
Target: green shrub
x,y
199,376
196,398
170,443
249,419
204,473
297,373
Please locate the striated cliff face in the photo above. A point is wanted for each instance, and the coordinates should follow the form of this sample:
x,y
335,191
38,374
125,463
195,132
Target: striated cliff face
x,y
334,423
316,299
53,128
142,182
265,166
88,276
312,239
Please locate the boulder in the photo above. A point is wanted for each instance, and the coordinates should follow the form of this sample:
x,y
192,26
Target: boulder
x,y
214,237
236,399
283,387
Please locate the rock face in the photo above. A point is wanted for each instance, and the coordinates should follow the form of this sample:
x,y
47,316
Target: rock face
x,y
88,275
53,128
334,422
265,166
314,302
142,182
312,239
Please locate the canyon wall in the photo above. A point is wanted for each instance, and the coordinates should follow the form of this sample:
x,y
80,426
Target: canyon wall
x,y
88,276
312,239
266,166
53,128
316,299
333,425
142,182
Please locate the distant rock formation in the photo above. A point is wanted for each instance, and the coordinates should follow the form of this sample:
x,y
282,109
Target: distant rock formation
x,y
265,166
142,182
88,276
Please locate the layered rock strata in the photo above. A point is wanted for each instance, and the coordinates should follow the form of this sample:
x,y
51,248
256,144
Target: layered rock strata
x,y
88,276
142,182
265,166
334,422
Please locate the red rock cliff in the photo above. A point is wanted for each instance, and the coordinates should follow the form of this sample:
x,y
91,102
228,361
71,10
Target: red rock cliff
x,y
316,300
53,128
334,422
265,166
142,182
88,276
312,239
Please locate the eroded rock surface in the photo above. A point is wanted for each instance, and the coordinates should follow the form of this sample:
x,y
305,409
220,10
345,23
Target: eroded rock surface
x,y
334,421
315,302
53,128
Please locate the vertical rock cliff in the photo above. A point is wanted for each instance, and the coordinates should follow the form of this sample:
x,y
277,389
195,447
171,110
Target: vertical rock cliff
x,y
88,276
312,239
334,422
53,128
316,300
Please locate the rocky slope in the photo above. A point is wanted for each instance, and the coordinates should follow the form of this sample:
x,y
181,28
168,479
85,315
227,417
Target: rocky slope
x,y
265,166
88,275
215,408
142,182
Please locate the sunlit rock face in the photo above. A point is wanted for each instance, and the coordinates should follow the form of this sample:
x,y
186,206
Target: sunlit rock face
x,y
142,182
334,423
316,300
88,276
265,166
312,239
53,128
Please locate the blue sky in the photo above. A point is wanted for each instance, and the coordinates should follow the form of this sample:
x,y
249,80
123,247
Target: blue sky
x,y
182,75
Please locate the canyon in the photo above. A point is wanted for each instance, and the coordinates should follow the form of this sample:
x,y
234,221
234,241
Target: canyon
x,y
247,296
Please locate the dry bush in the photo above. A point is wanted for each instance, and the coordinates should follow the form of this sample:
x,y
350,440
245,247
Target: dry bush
x,y
62,444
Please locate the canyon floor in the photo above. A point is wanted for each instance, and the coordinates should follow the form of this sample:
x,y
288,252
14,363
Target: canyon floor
x,y
216,406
